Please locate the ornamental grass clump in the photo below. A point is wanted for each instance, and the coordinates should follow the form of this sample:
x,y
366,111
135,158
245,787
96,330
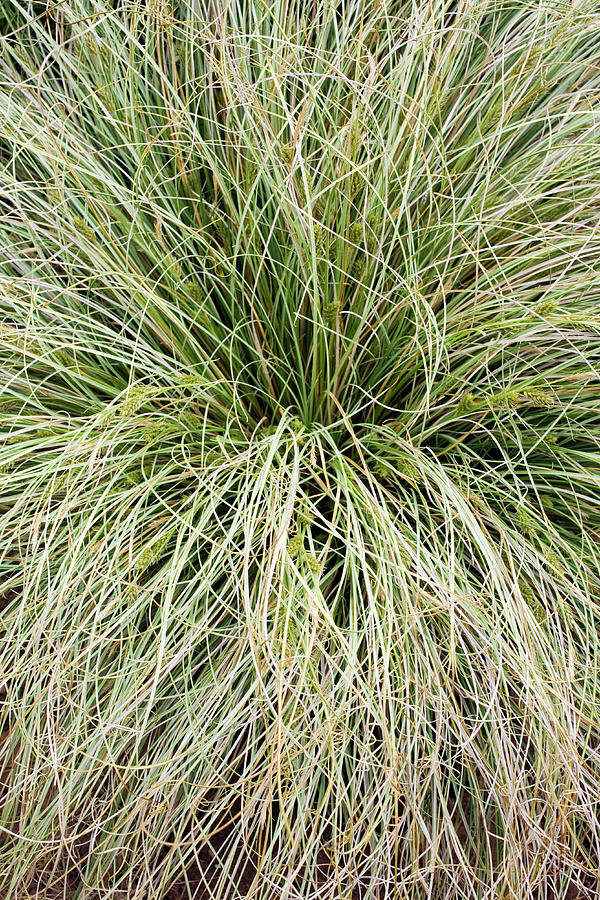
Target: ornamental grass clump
x,y
299,449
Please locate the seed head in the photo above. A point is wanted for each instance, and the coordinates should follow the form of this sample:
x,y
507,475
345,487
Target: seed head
x,y
295,545
303,516
53,195
383,470
356,232
105,94
538,397
554,562
358,267
526,591
313,563
545,307
330,312
251,173
195,292
66,359
84,229
191,380
525,522
190,421
183,53
355,183
45,433
372,243
152,553
536,606
319,207
134,478
136,397
131,592
287,153
175,270
405,557
161,12
154,431
318,233
408,470
466,404
504,400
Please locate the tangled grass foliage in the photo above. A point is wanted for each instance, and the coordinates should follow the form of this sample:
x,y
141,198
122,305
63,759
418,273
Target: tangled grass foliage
x,y
300,491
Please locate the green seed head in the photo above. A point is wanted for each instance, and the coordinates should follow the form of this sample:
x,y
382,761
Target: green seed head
x,y
190,421
313,563
184,53
358,267
154,431
106,97
526,591
525,522
356,233
319,207
533,602
174,268
295,545
538,397
84,229
287,153
135,477
190,380
303,516
61,482
504,400
53,195
251,173
330,312
372,243
136,397
405,557
130,593
195,292
554,562
318,233
152,553
408,470
540,614
355,183
64,358
545,307
383,470
466,404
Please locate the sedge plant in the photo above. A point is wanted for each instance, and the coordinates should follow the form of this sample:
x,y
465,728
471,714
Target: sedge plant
x,y
299,449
